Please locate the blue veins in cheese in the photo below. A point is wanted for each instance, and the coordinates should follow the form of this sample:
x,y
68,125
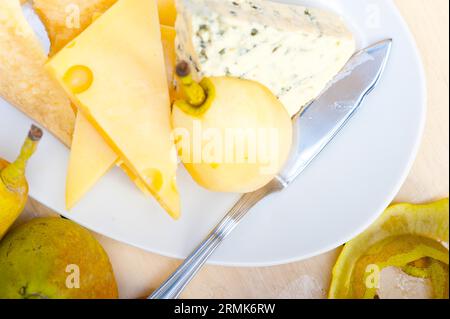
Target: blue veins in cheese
x,y
293,50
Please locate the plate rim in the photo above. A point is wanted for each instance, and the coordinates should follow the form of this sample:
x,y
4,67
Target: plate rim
x,y
377,212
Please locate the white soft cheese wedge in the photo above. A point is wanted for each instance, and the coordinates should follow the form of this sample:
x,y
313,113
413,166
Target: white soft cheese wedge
x,y
293,50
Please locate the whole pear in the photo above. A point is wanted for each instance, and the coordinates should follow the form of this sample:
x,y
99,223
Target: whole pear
x,y
233,135
54,258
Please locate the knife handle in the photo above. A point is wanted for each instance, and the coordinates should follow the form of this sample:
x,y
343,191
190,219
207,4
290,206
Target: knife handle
x,y
175,284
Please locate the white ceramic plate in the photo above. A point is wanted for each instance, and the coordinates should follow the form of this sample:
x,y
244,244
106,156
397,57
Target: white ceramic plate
x,y
338,196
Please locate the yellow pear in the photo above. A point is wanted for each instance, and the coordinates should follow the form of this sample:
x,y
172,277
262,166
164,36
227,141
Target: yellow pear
x,y
232,135
13,183
54,258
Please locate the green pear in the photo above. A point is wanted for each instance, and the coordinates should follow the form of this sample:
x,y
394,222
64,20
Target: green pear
x,y
54,258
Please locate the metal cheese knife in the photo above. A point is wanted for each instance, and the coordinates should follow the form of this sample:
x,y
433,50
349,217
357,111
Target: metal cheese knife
x,y
314,127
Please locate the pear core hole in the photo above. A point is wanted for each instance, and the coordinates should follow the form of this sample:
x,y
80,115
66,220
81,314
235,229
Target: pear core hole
x,y
78,79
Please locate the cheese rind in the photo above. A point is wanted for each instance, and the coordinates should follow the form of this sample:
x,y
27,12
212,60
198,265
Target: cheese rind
x,y
128,101
293,50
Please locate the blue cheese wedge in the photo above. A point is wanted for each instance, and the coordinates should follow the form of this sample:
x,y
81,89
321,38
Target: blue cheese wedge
x,y
293,50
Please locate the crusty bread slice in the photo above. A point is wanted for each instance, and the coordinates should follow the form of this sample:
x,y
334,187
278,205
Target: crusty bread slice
x,y
23,81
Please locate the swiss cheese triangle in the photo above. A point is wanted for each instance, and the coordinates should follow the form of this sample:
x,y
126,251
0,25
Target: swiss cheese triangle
x,y
117,78
88,144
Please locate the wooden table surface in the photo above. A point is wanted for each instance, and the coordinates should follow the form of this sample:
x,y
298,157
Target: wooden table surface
x,y
139,273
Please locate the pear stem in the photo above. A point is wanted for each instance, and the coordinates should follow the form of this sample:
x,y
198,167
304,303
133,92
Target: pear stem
x,y
195,95
14,174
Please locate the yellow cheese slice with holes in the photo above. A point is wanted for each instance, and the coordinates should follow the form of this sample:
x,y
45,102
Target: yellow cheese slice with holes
x,y
117,78
88,144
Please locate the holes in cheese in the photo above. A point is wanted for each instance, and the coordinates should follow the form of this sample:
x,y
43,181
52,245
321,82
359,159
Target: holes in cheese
x,y
154,178
128,103
78,79
214,165
87,143
168,35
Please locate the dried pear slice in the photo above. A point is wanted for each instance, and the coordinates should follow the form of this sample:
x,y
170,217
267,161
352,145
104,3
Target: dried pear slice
x,y
406,236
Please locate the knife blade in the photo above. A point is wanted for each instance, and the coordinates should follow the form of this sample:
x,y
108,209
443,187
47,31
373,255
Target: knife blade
x,y
314,128
319,122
